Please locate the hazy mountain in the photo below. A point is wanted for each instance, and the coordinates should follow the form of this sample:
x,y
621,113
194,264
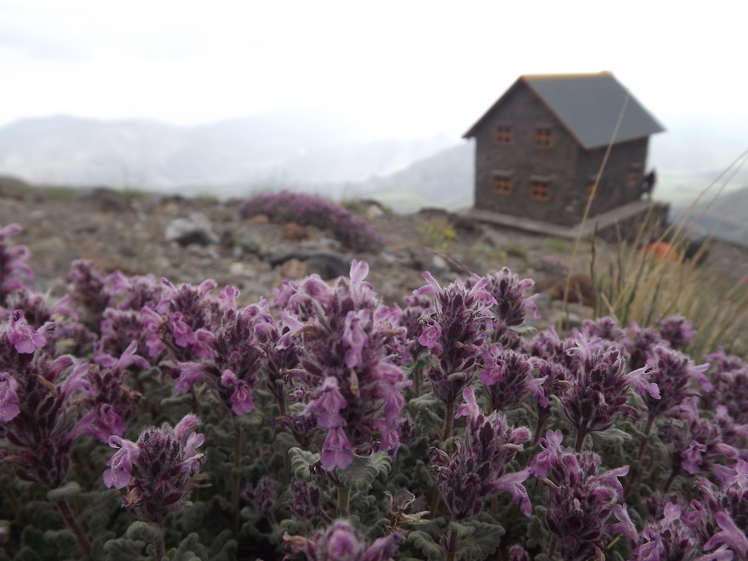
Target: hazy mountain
x,y
445,179
287,146
724,218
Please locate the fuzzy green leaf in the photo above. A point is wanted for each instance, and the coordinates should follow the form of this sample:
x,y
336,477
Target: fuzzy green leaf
x,y
67,491
142,531
425,543
364,470
300,462
480,541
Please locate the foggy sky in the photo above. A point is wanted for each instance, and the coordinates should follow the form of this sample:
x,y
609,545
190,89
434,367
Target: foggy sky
x,y
393,69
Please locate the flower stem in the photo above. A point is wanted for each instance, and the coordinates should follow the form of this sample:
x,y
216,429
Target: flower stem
x,y
580,441
159,550
67,514
235,477
448,420
669,482
645,440
343,494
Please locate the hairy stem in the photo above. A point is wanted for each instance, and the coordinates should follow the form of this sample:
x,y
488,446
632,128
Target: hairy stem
x,y
159,549
343,494
67,514
235,477
580,441
669,482
448,420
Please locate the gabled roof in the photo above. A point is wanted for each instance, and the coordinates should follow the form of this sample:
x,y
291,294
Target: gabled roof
x,y
589,106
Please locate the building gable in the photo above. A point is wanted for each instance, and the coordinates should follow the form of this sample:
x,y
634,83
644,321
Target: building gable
x,y
588,106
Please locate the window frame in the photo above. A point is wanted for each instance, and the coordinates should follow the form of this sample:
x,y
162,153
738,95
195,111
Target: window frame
x,y
503,134
543,137
540,190
506,180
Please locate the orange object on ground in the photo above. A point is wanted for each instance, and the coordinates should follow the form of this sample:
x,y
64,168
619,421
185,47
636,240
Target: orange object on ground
x,y
663,251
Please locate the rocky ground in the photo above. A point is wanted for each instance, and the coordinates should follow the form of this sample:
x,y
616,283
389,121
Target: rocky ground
x,y
132,231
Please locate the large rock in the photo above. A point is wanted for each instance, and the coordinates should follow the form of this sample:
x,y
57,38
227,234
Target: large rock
x,y
195,229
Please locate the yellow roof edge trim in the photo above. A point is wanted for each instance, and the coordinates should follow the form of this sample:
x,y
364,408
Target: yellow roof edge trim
x,y
564,76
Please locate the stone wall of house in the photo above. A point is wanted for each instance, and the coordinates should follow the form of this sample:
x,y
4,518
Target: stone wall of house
x,y
569,169
521,161
614,189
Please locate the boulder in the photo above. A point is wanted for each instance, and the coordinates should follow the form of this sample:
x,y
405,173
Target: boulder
x,y
193,230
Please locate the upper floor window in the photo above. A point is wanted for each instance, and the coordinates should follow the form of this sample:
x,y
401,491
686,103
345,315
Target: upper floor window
x,y
502,184
503,134
543,137
632,178
540,190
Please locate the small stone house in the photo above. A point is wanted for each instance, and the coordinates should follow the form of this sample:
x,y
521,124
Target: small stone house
x,y
539,148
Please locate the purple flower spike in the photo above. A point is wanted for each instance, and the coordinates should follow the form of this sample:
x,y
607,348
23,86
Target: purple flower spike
x,y
241,400
329,403
25,339
336,450
8,397
730,535
341,542
354,336
183,334
157,469
118,475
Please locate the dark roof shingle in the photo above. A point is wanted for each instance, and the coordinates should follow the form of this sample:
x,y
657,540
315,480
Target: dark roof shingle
x,y
589,106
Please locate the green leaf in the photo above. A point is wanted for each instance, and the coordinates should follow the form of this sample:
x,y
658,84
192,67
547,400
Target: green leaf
x,y
425,543
67,491
142,531
364,470
123,549
480,540
300,462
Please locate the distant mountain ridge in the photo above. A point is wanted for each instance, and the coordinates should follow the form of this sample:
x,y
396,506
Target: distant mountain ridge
x,y
290,146
725,218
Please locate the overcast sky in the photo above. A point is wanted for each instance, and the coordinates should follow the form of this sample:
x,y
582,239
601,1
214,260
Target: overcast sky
x,y
396,69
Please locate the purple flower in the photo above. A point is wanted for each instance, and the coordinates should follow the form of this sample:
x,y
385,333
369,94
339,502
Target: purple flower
x,y
329,403
311,210
183,334
340,542
12,263
191,373
8,397
336,450
157,469
677,331
241,400
580,502
305,500
22,337
730,535
551,451
464,320
508,378
354,336
118,475
476,469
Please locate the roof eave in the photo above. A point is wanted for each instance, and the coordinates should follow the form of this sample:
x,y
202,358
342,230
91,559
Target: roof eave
x,y
471,131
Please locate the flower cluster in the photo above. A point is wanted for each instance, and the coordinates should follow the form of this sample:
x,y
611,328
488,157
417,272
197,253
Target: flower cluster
x,y
40,410
346,377
311,210
477,468
341,542
580,499
157,469
13,267
455,334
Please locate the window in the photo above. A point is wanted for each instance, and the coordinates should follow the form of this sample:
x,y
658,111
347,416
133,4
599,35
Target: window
x,y
543,137
502,184
632,179
540,190
503,134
